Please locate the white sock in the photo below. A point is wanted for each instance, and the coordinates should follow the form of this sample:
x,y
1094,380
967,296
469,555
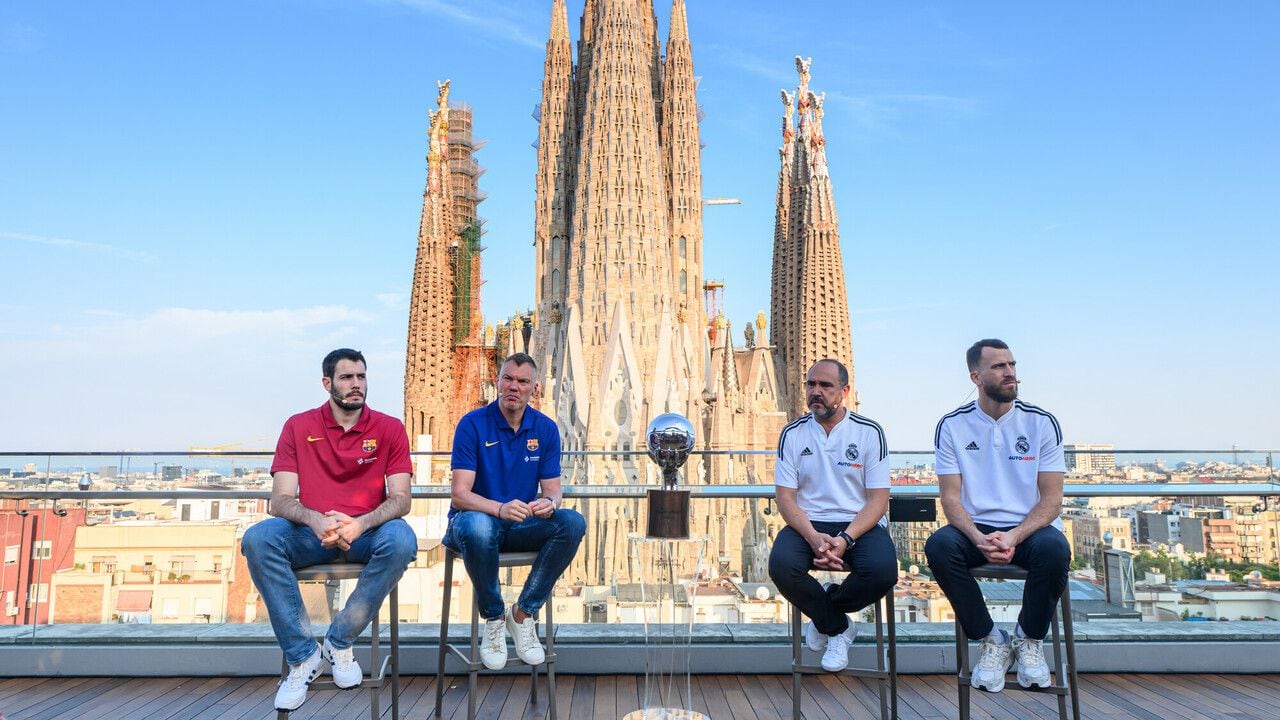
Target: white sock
x,y
1018,633
998,636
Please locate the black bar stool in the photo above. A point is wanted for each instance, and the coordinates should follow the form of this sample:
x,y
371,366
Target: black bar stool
x,y
472,659
1065,676
378,665
885,673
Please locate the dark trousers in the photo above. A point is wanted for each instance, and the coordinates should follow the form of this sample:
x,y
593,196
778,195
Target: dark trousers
x,y
874,569
1045,556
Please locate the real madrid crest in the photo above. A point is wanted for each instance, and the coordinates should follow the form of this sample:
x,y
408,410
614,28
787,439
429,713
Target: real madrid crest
x,y
851,452
531,444
369,445
1022,445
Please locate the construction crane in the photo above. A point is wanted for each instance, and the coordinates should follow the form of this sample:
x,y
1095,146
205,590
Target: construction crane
x,y
722,201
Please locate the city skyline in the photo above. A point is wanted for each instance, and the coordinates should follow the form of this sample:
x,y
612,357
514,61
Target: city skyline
x,y
197,203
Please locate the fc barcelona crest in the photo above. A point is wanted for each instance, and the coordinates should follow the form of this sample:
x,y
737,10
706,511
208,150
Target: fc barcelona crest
x,y
369,445
531,444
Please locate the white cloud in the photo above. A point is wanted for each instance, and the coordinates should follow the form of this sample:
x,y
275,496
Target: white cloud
x,y
80,245
393,300
483,16
182,376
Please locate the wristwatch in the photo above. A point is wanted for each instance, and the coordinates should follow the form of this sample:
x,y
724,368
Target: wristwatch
x,y
848,541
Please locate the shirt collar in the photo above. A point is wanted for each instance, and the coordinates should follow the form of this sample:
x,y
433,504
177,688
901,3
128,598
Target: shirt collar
x,y
526,420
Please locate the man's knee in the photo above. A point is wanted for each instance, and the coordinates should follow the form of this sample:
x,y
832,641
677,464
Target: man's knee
x,y
571,523
474,528
946,542
782,568
1051,549
399,540
261,538
881,575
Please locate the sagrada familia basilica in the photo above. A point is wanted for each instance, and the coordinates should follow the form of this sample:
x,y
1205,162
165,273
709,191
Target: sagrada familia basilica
x,y
625,324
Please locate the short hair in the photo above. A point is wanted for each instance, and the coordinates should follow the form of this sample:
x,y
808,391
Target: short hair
x,y
330,364
974,353
841,370
521,359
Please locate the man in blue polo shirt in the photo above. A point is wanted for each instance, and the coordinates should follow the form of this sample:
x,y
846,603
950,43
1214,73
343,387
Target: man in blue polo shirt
x,y
506,497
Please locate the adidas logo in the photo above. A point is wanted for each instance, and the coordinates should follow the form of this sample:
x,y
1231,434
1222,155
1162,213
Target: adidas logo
x,y
806,452
971,446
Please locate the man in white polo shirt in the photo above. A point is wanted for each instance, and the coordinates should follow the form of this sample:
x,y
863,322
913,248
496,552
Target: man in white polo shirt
x,y
1000,471
832,486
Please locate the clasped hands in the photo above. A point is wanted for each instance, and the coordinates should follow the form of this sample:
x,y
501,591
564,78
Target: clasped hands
x,y
519,510
827,552
998,547
338,530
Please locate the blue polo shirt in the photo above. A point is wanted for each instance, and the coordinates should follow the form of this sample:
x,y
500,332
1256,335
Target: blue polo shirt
x,y
508,464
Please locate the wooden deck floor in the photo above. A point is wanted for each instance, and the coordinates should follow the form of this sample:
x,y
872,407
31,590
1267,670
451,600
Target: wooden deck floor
x,y
723,697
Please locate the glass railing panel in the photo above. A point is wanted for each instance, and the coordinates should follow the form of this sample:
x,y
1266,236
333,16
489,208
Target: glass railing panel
x,y
154,537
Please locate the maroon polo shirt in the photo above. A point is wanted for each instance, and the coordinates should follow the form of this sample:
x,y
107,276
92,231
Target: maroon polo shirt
x,y
342,470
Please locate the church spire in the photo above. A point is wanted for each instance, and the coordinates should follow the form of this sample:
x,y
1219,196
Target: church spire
x,y
682,155
428,372
810,301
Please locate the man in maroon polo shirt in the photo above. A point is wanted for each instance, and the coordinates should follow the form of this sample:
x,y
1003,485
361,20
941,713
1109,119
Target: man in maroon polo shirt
x,y
340,485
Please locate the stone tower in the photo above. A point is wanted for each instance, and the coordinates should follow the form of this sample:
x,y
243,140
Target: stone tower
x,y
448,366
618,230
810,305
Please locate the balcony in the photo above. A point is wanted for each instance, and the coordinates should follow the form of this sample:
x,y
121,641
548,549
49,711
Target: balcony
x,y
739,664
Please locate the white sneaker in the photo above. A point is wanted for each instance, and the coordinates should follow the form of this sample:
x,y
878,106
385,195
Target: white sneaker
x,y
1033,671
813,639
988,673
293,686
346,671
493,646
836,658
528,649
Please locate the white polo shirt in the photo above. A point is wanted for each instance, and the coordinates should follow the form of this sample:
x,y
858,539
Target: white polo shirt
x,y
998,460
832,473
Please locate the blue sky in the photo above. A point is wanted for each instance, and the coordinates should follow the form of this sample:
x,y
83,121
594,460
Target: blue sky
x,y
198,200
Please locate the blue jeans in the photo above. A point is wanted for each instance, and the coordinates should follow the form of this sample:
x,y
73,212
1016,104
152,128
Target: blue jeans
x,y
479,537
275,546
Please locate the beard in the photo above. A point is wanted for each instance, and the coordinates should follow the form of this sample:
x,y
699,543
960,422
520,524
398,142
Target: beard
x,y
1002,393
820,409
348,405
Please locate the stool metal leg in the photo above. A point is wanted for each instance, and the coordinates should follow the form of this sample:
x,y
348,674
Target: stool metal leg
x,y
551,657
375,666
475,652
893,653
1069,631
444,629
395,652
962,670
1061,663
795,662
882,683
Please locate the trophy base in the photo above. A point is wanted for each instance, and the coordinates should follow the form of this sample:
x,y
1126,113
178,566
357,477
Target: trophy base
x,y
668,514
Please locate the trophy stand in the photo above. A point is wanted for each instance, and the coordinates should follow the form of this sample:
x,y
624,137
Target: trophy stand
x,y
670,565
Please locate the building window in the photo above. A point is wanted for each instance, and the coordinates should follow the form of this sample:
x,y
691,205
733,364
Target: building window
x,y
683,245
42,550
684,281
10,554
169,608
37,593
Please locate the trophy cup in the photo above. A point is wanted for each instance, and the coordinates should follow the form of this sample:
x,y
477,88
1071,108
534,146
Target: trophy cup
x,y
670,438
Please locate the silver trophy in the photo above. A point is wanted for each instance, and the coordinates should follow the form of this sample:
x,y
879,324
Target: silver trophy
x,y
669,439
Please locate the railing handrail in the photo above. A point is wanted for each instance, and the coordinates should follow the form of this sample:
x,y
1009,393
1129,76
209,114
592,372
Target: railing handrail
x,y
588,453
440,492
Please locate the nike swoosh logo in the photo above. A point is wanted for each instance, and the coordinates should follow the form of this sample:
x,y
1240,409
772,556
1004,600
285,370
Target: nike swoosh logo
x,y
311,439
491,444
